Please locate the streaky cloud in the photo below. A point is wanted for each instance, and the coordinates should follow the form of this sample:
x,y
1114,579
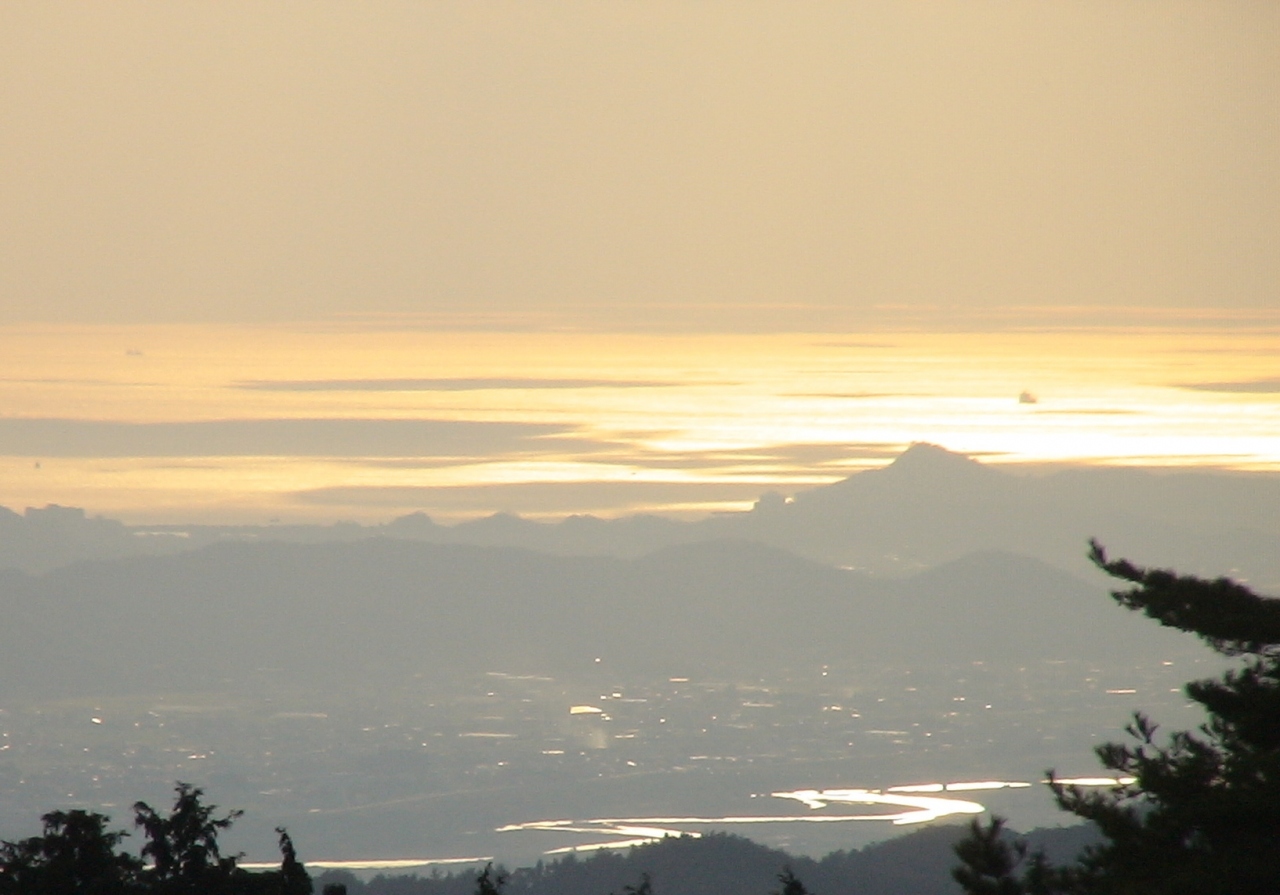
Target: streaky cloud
x,y
1244,387
450,384
535,497
267,437
1086,411
806,453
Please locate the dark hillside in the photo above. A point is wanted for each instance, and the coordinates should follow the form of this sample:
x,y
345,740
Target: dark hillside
x,y
918,863
380,610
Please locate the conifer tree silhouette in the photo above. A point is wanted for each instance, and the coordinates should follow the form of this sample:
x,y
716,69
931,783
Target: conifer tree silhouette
x,y
1201,815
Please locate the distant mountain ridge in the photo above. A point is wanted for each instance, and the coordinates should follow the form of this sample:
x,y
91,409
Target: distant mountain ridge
x,y
381,610
927,507
918,863
935,563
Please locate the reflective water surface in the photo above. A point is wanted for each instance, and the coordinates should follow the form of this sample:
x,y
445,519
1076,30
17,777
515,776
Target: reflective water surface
x,y
918,809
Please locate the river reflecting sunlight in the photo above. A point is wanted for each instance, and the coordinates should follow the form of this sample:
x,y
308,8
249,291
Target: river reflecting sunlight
x,y
918,809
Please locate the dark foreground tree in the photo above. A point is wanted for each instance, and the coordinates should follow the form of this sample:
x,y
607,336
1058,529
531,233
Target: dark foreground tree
x,y
790,883
294,879
1202,813
644,887
490,882
77,854
183,845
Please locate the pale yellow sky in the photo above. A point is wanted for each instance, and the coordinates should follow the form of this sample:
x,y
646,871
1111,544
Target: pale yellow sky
x,y
234,424
354,193
243,161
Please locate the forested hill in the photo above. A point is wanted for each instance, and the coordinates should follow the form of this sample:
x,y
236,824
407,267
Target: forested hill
x,y
721,864
383,610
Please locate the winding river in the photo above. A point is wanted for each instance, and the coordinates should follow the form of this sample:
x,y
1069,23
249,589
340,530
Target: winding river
x,y
919,803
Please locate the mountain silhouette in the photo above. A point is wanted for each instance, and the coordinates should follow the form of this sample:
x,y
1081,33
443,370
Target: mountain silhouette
x,y
928,506
381,610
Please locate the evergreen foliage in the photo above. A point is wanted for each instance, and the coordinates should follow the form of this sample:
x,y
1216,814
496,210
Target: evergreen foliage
x,y
490,883
722,864
183,845
644,887
791,884
77,855
1202,813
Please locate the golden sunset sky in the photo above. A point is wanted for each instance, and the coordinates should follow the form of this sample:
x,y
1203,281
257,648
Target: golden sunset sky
x,y
319,261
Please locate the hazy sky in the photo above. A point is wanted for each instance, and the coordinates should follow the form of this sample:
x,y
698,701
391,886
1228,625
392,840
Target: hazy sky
x,y
237,161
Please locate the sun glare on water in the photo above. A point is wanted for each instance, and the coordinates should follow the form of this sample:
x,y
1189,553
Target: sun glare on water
x,y
249,424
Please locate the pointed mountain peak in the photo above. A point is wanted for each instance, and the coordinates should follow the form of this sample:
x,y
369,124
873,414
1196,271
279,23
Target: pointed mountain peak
x,y
933,466
925,456
923,467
